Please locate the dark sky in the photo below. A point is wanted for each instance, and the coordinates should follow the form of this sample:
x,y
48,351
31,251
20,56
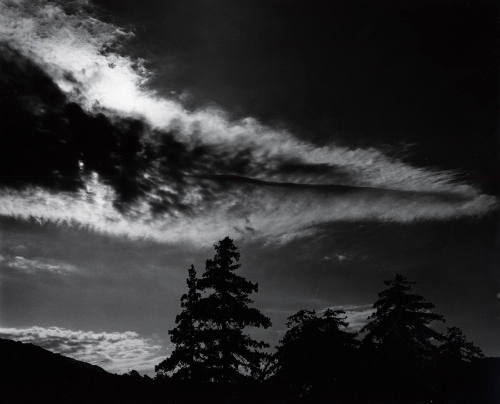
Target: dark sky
x,y
420,74
337,142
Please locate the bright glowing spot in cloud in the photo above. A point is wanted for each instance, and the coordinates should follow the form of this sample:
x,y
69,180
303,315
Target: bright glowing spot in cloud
x,y
74,49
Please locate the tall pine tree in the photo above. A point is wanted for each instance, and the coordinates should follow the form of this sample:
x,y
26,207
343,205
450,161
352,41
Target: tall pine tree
x,y
185,362
229,353
400,340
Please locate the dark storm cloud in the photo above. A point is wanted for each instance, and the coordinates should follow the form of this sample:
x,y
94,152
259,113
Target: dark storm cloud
x,y
87,142
45,138
51,142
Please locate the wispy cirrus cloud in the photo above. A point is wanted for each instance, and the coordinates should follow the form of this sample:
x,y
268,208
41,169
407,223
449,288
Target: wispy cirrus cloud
x,y
37,265
117,352
278,215
73,48
197,175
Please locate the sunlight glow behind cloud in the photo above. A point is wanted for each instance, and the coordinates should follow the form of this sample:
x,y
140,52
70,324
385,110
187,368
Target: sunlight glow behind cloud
x,y
81,54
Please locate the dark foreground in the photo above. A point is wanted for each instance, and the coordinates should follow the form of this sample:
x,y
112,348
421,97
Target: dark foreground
x,y
30,374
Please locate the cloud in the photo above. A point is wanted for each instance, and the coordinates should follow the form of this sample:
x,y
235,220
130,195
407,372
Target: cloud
x,y
115,156
247,212
338,257
73,49
357,315
117,352
32,266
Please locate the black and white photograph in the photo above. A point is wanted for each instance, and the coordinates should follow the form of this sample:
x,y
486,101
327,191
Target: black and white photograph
x,y
249,201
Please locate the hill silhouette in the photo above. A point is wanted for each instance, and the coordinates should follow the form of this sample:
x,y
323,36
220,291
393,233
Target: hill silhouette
x,y
31,374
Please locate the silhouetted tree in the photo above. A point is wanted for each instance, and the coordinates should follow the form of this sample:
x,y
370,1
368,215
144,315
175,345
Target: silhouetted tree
x,y
185,361
133,374
400,341
456,357
229,353
317,355
456,349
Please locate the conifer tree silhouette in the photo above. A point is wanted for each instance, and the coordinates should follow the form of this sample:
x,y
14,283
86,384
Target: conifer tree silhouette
x,y
185,361
229,352
317,355
400,340
456,357
456,349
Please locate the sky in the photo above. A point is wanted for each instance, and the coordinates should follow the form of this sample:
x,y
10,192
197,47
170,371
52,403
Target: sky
x,y
337,143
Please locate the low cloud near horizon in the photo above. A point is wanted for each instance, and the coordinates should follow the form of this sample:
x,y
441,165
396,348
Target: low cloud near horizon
x,y
116,352
356,315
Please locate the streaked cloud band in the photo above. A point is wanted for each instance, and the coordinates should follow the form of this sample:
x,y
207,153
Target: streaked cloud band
x,y
213,192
